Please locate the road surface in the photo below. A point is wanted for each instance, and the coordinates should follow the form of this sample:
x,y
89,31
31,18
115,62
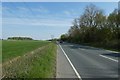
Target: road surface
x,y
64,69
89,62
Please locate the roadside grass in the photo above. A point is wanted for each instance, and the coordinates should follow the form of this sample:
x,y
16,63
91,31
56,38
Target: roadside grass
x,y
41,64
0,51
44,67
11,49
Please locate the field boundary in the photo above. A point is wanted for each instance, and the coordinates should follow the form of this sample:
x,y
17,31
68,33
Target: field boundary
x,y
39,63
7,63
26,54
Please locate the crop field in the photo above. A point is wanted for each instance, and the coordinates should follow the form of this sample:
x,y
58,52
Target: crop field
x,y
37,59
11,49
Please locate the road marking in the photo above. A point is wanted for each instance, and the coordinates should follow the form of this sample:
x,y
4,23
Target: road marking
x,y
112,51
109,58
71,63
82,49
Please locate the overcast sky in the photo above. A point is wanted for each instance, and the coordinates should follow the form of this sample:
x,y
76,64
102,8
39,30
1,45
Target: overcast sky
x,y
41,20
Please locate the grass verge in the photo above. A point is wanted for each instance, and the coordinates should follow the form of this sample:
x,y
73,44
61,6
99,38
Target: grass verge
x,y
0,51
40,64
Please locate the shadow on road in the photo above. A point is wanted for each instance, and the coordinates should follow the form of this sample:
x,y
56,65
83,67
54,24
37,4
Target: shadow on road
x,y
76,46
112,54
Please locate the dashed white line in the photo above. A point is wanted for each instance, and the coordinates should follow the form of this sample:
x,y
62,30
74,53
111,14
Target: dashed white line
x,y
71,63
109,58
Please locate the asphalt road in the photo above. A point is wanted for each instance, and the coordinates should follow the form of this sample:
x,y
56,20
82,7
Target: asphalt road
x,y
64,69
92,62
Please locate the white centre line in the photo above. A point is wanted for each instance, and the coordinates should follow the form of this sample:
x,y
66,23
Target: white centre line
x,y
109,58
71,63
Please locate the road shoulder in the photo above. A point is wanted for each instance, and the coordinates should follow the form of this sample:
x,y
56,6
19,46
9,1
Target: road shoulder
x,y
64,69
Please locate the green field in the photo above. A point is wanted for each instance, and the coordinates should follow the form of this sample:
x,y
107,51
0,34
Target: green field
x,y
11,49
0,51
41,64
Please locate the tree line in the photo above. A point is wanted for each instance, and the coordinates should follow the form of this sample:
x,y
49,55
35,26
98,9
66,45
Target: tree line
x,y
19,38
94,27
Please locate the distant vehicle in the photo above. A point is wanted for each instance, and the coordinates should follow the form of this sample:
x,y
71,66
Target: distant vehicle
x,y
61,41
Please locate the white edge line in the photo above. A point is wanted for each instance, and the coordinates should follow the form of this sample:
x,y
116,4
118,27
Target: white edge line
x,y
71,63
112,51
109,58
